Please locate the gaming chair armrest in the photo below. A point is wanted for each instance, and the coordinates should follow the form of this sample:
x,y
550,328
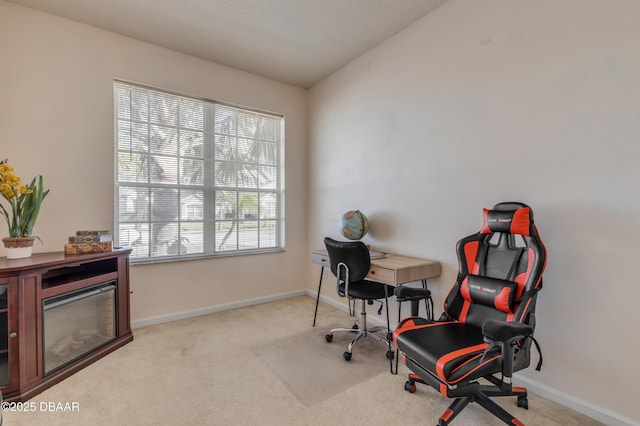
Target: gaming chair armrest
x,y
503,334
403,293
505,331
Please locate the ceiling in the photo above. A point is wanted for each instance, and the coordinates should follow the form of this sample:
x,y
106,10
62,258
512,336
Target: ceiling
x,y
298,42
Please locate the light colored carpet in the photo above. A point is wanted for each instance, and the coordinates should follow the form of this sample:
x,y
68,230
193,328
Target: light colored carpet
x,y
314,370
204,371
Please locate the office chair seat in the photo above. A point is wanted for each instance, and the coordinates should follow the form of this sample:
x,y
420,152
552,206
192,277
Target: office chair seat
x,y
367,290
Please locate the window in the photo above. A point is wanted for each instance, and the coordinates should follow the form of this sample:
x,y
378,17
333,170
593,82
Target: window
x,y
194,177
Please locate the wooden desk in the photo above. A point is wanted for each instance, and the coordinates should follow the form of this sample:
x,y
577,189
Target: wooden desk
x,y
393,269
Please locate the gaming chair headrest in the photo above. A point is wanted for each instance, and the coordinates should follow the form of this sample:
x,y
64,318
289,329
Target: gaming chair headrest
x,y
509,218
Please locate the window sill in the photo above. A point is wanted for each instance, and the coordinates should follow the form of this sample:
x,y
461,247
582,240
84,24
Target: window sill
x,y
185,258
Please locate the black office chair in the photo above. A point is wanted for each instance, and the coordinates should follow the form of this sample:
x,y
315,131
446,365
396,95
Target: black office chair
x,y
350,262
486,331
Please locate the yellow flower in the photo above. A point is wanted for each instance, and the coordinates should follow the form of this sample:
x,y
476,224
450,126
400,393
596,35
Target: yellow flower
x,y
7,190
24,201
24,190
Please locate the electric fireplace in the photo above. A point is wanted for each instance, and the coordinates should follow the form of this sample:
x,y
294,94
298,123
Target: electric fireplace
x,y
76,323
58,314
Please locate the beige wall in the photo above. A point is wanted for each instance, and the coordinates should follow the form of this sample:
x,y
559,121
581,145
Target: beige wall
x,y
56,119
480,102
500,100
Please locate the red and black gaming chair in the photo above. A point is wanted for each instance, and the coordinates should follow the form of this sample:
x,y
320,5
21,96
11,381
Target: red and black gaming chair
x,y
486,330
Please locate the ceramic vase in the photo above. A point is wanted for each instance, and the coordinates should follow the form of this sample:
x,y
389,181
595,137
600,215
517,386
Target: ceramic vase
x,y
18,248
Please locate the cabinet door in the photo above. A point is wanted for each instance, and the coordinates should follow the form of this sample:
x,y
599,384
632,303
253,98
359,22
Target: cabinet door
x,y
9,378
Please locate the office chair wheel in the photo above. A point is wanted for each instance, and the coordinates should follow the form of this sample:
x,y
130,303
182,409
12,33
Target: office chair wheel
x,y
390,355
328,337
523,402
355,327
347,356
410,386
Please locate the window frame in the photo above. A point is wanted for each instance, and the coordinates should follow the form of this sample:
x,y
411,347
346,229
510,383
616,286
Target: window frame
x,y
210,188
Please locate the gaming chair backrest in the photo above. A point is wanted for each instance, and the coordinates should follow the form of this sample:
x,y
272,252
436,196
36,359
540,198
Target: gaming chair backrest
x,y
500,268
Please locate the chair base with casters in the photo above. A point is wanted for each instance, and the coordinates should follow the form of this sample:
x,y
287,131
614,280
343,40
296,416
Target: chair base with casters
x,y
486,331
350,263
380,333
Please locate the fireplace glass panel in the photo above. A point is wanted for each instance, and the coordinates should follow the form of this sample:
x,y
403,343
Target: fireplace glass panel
x,y
75,324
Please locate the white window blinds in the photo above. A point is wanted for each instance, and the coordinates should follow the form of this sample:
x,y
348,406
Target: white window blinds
x,y
195,178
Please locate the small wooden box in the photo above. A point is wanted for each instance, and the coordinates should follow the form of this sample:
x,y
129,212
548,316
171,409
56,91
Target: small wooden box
x,y
87,248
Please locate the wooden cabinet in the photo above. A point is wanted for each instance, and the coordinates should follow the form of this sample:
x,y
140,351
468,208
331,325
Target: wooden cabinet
x,y
8,333
28,286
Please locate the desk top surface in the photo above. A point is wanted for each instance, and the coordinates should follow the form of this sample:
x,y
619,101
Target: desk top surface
x,y
397,261
403,268
388,258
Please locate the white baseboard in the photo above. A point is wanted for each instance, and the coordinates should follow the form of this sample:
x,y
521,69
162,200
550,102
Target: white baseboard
x,y
145,322
583,407
595,412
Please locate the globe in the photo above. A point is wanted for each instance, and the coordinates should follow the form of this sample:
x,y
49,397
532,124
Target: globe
x,y
354,225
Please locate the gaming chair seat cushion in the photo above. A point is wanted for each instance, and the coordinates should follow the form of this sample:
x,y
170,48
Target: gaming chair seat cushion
x,y
450,350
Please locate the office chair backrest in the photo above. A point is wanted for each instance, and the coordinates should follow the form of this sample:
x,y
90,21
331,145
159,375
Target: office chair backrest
x,y
354,254
500,268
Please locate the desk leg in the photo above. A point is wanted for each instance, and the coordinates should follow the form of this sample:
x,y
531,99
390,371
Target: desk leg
x,y
318,296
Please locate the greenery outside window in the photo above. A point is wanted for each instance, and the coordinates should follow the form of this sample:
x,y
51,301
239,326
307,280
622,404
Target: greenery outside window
x,y
194,177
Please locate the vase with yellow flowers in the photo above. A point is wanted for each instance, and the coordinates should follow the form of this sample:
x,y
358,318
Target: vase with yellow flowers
x,y
24,203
